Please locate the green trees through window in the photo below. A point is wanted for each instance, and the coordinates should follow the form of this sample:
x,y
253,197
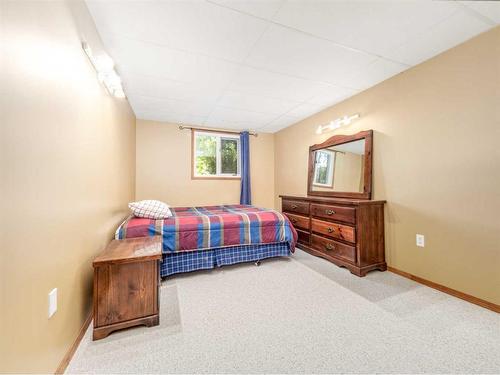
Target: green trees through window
x,y
229,156
216,154
206,149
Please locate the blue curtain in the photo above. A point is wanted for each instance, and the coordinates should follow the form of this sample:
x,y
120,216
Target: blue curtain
x,y
246,194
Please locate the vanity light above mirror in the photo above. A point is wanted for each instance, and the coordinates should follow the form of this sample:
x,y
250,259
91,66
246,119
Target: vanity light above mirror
x,y
335,124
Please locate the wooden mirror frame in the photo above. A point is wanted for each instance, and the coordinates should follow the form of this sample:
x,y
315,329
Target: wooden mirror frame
x,y
367,135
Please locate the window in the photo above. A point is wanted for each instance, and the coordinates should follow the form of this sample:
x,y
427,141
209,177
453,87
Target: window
x,y
323,171
215,155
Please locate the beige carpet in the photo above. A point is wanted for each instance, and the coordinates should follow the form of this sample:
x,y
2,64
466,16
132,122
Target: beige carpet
x,y
300,315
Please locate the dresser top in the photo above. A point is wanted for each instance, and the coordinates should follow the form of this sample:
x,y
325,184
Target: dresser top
x,y
130,250
355,202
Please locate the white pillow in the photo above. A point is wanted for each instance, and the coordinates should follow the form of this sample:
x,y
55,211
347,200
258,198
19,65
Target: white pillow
x,y
150,209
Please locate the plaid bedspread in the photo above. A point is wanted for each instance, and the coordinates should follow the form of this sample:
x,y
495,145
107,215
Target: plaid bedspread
x,y
199,228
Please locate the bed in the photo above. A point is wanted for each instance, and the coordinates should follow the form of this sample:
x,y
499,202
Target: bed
x,y
197,238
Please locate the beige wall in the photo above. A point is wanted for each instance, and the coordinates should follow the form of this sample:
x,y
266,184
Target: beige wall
x,y
347,173
164,169
436,161
67,167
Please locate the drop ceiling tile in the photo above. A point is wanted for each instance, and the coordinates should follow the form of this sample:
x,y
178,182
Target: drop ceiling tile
x,y
238,119
372,26
290,52
193,120
224,123
255,103
148,59
279,123
196,26
261,82
305,110
171,117
259,8
376,72
146,104
163,88
488,9
328,95
175,56
449,33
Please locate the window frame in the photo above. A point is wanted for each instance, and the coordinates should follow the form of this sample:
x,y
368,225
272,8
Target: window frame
x,y
220,135
329,172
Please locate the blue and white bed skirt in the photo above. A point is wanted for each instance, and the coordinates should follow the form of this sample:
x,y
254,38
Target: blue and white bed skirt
x,y
188,261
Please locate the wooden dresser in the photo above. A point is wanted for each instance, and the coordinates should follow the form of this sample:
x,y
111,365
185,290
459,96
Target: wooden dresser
x,y
347,232
126,285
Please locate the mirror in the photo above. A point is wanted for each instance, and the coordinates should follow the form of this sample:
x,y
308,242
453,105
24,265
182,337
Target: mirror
x,y
341,166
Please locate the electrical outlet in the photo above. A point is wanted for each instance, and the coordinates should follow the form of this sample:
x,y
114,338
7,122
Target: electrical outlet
x,y
52,302
420,240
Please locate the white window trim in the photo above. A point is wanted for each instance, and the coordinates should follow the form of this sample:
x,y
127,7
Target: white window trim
x,y
219,136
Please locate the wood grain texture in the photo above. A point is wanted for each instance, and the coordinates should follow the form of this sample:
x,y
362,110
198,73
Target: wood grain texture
x,y
333,230
340,213
326,200
299,221
455,293
367,135
294,206
371,239
303,237
130,250
71,351
148,321
349,233
334,248
126,289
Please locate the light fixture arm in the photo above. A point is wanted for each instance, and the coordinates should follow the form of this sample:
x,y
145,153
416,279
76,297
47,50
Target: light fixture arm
x,y
337,123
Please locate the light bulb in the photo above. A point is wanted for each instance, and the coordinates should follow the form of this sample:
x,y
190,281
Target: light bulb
x,y
112,79
118,93
101,77
334,125
104,63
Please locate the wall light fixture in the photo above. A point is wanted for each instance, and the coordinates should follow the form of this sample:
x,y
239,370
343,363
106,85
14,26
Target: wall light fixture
x,y
335,124
106,73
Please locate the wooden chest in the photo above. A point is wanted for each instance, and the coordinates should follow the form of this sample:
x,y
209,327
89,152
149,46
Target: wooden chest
x,y
126,285
347,232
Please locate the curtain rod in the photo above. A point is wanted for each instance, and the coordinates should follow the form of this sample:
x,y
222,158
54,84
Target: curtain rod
x,y
182,127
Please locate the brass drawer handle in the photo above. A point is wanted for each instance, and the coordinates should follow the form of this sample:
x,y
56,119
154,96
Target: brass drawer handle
x,y
329,212
329,246
330,229
294,206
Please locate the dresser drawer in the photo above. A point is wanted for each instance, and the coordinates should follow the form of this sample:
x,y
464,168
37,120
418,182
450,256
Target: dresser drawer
x,y
295,207
334,248
346,214
304,237
334,230
299,222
